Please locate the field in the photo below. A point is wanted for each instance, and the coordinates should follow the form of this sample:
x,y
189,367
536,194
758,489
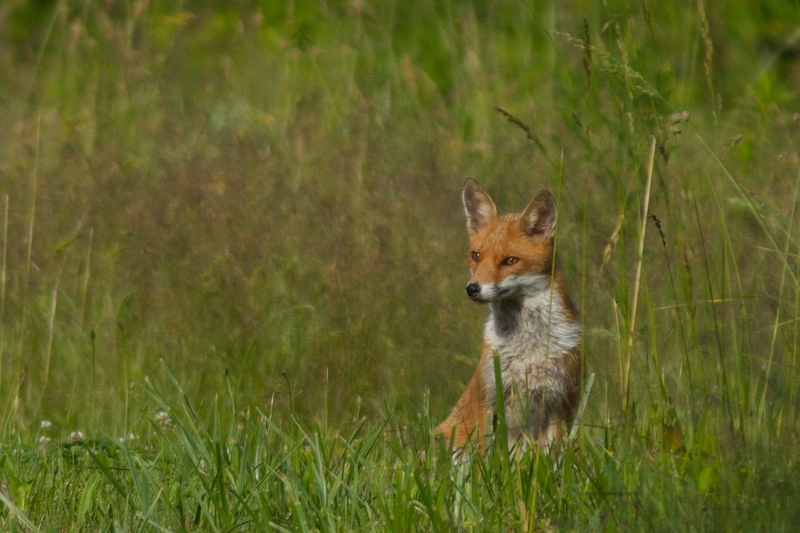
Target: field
x,y
234,259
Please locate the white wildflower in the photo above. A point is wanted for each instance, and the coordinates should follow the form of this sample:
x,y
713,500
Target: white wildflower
x,y
163,420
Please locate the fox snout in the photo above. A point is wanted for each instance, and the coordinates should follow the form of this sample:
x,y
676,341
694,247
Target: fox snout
x,y
473,290
488,292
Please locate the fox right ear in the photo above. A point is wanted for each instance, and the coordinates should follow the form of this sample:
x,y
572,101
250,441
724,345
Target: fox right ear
x,y
539,218
478,206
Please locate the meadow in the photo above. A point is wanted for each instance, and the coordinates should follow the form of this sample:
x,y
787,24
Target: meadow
x,y
234,259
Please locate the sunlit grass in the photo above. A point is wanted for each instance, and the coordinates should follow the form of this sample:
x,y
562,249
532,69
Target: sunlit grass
x,y
252,473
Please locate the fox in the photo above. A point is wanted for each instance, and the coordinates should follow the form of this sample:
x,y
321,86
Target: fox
x,y
533,327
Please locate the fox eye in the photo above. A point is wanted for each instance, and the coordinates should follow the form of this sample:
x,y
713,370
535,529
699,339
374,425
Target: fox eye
x,y
509,261
474,256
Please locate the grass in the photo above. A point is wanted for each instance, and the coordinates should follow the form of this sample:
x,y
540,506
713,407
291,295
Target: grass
x,y
233,261
181,474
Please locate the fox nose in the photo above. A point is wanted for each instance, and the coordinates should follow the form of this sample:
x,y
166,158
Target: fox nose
x,y
473,290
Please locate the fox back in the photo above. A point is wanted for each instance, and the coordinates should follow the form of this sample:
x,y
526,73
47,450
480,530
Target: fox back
x,y
532,327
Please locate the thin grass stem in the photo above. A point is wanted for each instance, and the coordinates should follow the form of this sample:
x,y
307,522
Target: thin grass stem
x,y
3,278
638,276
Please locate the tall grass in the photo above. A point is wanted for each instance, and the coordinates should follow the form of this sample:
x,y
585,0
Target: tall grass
x,y
266,198
251,473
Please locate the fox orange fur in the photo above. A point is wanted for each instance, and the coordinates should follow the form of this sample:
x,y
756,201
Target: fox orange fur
x,y
533,326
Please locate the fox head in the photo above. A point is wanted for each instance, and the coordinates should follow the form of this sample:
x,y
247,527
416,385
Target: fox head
x,y
510,255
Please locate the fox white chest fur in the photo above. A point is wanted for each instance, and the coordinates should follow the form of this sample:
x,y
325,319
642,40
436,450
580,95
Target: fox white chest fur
x,y
530,335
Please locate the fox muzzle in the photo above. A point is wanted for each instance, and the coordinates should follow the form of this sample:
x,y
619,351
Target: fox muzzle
x,y
473,290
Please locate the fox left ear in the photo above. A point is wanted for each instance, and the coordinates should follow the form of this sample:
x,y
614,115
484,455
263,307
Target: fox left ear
x,y
478,206
539,218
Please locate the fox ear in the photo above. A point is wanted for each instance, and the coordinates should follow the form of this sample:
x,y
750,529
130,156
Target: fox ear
x,y
539,218
478,206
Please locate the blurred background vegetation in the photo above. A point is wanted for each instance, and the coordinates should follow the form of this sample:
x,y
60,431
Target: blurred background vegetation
x,y
267,193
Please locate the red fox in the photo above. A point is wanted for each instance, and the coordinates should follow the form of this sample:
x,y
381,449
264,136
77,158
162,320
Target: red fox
x,y
533,326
